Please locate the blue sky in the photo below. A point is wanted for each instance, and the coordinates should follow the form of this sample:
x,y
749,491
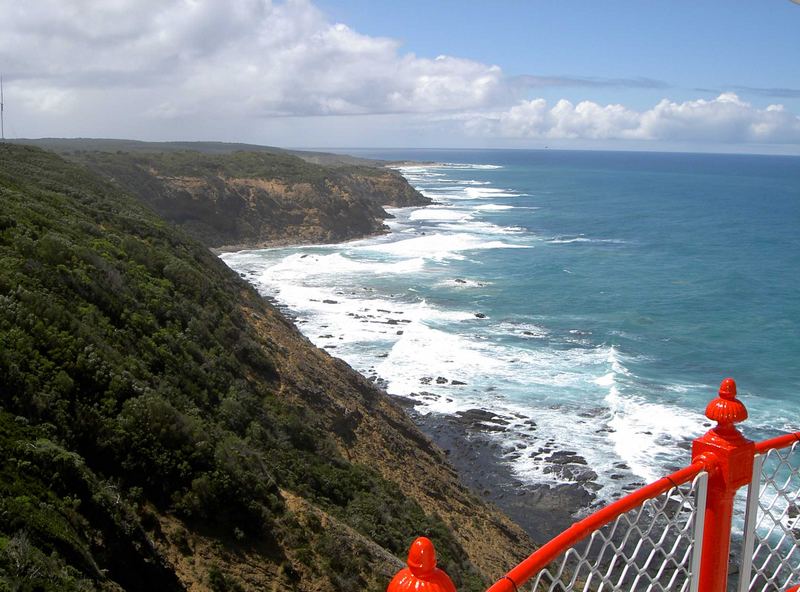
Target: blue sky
x,y
687,45
672,75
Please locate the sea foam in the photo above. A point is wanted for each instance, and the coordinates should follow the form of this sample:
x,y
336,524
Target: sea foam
x,y
402,308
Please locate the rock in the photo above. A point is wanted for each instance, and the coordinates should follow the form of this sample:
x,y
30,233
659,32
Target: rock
x,y
328,301
566,457
441,380
570,472
480,315
457,383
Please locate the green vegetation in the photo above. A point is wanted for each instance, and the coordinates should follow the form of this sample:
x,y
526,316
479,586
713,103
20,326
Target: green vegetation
x,y
73,145
186,163
131,380
251,198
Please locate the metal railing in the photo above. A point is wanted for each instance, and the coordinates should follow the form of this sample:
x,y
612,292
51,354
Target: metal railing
x,y
651,547
770,554
674,534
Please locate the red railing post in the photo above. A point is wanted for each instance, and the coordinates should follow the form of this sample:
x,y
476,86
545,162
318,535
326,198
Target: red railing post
x,y
729,460
421,575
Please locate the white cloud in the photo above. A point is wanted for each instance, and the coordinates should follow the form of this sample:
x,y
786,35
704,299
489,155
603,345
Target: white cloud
x,y
250,57
726,119
189,69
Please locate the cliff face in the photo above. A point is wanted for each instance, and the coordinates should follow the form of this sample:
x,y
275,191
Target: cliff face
x,y
162,427
257,198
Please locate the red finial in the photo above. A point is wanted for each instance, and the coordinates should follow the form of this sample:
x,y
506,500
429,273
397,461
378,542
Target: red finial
x,y
422,557
421,575
727,389
727,456
726,409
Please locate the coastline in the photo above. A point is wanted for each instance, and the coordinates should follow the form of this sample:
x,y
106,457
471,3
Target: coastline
x,y
469,439
288,243
541,510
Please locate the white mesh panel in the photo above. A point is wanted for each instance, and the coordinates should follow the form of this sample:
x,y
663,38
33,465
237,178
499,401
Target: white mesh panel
x,y
651,548
772,527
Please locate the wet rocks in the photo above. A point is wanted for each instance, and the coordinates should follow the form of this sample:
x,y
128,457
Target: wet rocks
x,y
565,457
481,420
542,510
576,473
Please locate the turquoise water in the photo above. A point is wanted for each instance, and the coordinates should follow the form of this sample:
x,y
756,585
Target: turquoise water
x,y
602,295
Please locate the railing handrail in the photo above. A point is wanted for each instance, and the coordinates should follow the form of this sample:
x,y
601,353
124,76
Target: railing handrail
x,y
725,461
540,558
779,442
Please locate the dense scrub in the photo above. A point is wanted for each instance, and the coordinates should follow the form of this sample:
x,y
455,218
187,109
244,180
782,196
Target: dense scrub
x,y
254,198
133,386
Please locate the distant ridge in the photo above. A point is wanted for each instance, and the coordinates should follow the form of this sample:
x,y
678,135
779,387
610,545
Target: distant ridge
x,y
64,145
232,198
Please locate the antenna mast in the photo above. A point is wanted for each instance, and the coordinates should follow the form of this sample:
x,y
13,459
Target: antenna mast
x,y
2,123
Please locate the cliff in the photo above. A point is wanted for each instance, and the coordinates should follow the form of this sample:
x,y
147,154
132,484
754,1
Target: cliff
x,y
257,198
162,427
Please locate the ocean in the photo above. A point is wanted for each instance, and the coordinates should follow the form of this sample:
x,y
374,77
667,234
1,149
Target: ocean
x,y
592,300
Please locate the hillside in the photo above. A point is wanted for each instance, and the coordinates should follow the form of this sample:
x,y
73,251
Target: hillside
x,y
65,146
162,427
229,198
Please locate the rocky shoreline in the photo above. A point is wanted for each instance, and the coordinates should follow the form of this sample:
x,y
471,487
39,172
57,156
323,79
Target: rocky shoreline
x,y
541,510
290,242
469,439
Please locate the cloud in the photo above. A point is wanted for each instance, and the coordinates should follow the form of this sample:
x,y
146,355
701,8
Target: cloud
x,y
530,81
724,119
251,57
780,93
159,69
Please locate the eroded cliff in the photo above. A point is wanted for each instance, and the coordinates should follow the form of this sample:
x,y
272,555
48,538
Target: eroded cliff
x,y
252,199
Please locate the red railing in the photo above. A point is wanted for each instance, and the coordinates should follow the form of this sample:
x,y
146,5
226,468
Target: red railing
x,y
674,534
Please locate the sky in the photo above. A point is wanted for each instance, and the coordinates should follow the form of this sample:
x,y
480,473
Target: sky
x,y
710,75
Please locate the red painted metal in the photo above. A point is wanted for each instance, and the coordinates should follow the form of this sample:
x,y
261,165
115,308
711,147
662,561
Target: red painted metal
x,y
523,572
723,452
779,442
730,459
421,575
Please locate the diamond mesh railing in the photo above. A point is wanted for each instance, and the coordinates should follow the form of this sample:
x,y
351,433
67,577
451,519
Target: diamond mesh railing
x,y
771,548
673,535
652,547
